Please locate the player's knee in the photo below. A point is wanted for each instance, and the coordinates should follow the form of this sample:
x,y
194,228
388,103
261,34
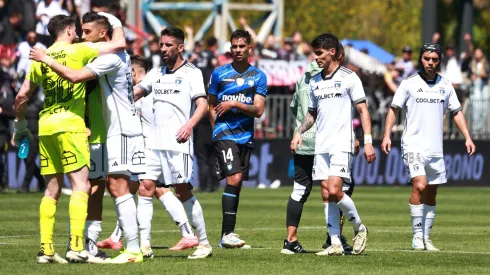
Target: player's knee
x,y
183,192
235,179
300,192
146,188
418,186
324,192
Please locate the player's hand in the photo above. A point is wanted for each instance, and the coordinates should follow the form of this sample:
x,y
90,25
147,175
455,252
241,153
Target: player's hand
x,y
369,153
115,23
184,133
297,141
386,145
470,147
21,132
224,107
89,132
357,147
37,54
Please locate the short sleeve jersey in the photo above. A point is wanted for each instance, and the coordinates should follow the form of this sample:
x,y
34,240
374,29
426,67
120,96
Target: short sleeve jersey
x,y
334,98
64,102
229,85
114,73
145,107
173,95
425,103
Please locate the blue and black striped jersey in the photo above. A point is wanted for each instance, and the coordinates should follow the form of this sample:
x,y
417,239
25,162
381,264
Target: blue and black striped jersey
x,y
227,84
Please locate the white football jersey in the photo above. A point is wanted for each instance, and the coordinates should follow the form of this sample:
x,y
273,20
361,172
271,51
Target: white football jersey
x,y
425,103
334,97
114,73
145,107
173,94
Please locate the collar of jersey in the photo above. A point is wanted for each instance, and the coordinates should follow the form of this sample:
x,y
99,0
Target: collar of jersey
x,y
167,71
426,80
331,76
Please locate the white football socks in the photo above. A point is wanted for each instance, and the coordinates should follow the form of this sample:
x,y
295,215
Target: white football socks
x,y
126,214
145,215
346,204
333,223
117,234
325,211
196,217
177,213
417,214
429,216
92,231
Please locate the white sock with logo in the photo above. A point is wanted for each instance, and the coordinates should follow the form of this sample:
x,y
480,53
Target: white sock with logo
x,y
92,231
126,214
196,217
117,234
177,212
417,214
429,216
346,204
145,215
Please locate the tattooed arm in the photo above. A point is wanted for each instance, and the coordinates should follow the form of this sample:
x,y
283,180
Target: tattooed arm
x,y
308,121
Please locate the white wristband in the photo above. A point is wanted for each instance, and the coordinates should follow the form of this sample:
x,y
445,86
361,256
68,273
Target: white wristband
x,y
368,139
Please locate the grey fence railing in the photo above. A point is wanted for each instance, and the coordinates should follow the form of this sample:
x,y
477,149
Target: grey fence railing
x,y
278,121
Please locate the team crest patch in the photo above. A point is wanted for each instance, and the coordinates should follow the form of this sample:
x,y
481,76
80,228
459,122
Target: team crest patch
x,y
229,165
337,85
415,167
178,81
250,82
240,81
442,91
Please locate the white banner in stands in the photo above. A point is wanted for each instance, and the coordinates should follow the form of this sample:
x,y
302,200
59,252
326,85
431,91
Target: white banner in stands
x,y
282,73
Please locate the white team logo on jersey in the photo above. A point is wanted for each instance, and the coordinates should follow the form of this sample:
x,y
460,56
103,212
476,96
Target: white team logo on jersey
x,y
251,82
240,81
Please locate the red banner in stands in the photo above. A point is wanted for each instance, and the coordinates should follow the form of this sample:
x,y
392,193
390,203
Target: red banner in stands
x,y
281,72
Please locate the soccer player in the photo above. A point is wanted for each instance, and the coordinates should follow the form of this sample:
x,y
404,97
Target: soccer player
x,y
174,88
237,94
333,95
63,141
425,97
125,143
303,164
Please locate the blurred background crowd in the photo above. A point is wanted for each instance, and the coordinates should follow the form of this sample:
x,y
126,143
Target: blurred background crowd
x,y
23,25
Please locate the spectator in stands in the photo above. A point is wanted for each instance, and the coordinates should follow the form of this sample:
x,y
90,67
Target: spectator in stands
x,y
288,52
480,94
155,58
268,49
24,63
8,26
34,106
47,9
406,63
7,98
298,43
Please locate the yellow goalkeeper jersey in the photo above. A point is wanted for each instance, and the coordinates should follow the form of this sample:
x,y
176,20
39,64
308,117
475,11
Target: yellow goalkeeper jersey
x,y
64,102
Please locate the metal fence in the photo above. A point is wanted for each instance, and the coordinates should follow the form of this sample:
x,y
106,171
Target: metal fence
x,y
278,121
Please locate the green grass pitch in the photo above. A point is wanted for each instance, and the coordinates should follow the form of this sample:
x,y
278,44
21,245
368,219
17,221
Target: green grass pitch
x,y
461,231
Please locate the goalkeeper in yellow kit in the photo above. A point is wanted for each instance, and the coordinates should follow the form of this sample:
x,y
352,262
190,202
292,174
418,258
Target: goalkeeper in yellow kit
x,y
63,141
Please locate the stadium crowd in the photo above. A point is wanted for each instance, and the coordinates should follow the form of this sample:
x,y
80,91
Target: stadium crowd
x,y
24,25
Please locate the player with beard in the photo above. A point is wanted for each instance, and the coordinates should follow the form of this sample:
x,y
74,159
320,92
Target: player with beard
x,y
63,142
125,144
175,87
